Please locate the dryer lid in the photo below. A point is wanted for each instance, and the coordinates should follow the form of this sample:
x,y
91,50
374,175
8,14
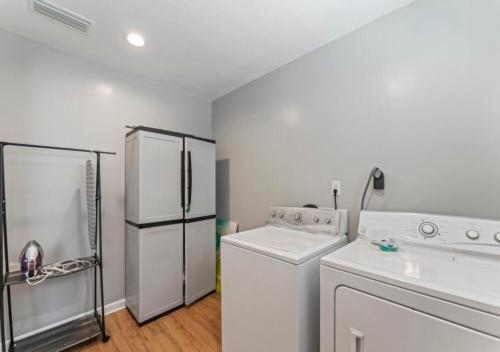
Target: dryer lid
x,y
459,277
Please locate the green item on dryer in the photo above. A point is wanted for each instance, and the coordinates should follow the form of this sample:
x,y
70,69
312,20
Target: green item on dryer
x,y
386,245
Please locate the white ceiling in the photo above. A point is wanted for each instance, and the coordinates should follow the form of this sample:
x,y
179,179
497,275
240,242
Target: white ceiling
x,y
209,46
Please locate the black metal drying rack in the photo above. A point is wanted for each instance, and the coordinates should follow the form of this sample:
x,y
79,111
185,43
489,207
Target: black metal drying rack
x,y
76,331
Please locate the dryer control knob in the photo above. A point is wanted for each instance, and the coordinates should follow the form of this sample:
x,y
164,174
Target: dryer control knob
x,y
282,214
497,237
472,234
273,213
297,217
428,229
328,221
316,219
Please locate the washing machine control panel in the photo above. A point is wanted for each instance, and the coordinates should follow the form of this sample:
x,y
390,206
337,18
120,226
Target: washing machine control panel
x,y
307,219
451,231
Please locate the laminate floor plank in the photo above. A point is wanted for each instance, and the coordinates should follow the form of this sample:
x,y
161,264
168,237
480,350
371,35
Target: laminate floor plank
x,y
196,328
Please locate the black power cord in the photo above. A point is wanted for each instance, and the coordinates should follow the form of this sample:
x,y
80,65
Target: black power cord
x,y
335,198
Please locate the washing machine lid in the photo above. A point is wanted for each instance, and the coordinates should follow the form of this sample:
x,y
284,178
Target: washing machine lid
x,y
468,279
285,244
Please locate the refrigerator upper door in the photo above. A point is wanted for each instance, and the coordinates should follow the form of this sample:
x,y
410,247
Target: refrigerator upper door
x,y
200,178
200,259
160,167
132,178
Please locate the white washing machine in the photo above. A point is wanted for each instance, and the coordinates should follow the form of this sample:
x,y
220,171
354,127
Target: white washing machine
x,y
270,280
440,292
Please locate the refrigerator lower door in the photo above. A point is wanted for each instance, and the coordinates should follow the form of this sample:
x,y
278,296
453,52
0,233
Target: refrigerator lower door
x,y
200,259
154,270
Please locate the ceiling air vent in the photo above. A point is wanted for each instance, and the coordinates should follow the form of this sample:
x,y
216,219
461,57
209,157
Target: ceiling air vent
x,y
63,15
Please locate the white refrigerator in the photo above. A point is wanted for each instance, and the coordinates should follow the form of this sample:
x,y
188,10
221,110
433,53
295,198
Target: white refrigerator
x,y
170,220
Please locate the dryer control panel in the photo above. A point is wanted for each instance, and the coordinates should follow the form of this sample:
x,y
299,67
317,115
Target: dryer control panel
x,y
451,231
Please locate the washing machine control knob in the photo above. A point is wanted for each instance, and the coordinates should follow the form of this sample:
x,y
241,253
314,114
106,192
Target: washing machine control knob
x,y
282,214
328,221
472,234
297,217
316,219
428,229
273,213
497,237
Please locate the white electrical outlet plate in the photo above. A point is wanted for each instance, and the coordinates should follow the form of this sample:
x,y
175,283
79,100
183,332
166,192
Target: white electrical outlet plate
x,y
336,185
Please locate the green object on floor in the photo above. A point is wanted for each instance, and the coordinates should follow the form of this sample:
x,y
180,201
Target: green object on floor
x,y
222,228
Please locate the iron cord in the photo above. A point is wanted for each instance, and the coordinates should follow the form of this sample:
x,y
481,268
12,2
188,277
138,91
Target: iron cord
x,y
62,267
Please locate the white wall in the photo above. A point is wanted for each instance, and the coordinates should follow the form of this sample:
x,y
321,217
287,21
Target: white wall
x,y
47,97
416,93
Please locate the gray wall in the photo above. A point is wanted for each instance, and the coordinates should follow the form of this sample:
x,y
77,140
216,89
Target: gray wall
x,y
222,168
416,93
51,98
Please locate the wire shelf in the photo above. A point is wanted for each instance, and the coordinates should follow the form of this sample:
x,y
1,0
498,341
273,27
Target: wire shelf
x,y
18,277
61,337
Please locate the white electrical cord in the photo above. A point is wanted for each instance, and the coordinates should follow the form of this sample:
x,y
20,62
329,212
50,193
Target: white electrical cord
x,y
60,268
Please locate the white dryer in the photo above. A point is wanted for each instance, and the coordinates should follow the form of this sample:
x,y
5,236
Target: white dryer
x,y
270,280
440,292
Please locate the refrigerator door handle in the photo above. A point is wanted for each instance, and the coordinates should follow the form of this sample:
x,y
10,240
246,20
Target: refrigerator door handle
x,y
183,181
190,182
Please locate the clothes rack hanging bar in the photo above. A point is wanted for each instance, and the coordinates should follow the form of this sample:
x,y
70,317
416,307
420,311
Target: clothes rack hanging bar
x,y
39,146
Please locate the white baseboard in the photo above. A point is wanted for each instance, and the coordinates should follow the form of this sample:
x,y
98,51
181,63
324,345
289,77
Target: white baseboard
x,y
108,309
114,306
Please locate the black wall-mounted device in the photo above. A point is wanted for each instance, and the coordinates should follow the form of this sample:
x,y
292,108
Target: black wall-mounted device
x,y
378,183
378,179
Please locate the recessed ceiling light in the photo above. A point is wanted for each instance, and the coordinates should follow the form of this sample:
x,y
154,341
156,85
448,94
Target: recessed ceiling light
x,y
135,39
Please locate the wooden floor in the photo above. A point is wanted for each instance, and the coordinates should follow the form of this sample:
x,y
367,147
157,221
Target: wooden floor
x,y
194,328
